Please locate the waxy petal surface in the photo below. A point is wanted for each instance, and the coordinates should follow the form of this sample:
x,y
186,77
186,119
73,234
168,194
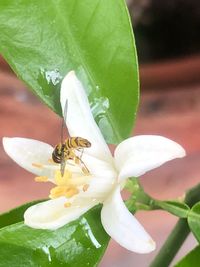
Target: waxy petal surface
x,y
28,152
79,119
52,214
123,227
139,154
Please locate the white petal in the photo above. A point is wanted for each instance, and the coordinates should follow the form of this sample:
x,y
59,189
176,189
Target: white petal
x,y
79,119
137,155
52,214
102,177
99,167
123,227
27,152
99,188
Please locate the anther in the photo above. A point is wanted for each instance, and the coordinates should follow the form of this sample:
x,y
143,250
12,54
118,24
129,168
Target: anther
x,y
85,187
58,191
77,161
67,204
37,165
85,171
71,192
41,179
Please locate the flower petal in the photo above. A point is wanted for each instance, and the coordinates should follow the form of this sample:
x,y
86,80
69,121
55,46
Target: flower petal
x,y
79,119
31,155
101,178
137,155
52,214
98,189
99,167
123,227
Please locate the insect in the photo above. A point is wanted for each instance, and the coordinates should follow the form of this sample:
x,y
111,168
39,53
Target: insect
x,y
67,149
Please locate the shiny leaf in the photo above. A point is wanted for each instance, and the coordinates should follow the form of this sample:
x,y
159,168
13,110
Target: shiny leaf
x,y
43,40
80,243
192,259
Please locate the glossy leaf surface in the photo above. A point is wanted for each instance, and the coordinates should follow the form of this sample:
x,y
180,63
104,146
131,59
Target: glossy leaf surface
x,y
43,40
192,259
194,220
80,243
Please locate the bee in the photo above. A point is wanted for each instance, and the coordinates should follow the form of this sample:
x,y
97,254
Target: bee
x,y
67,150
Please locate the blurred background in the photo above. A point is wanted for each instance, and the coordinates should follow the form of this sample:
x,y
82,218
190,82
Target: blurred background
x,y
168,43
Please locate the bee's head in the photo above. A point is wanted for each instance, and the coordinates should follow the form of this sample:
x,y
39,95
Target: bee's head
x,y
84,142
57,153
58,149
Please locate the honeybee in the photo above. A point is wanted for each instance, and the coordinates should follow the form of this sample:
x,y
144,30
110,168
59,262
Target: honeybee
x,y
66,150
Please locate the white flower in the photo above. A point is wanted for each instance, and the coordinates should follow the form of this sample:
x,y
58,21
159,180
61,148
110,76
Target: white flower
x,y
75,192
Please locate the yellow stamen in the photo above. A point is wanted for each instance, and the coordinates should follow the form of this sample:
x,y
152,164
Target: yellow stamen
x,y
63,180
67,191
50,161
58,191
37,165
85,187
77,161
41,179
71,192
67,204
85,171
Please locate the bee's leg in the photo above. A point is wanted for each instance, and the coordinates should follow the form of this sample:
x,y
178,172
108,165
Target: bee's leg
x,y
72,157
82,164
81,150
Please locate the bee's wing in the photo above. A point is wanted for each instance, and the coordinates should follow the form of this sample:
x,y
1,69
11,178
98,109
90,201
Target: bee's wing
x,y
62,166
64,122
63,161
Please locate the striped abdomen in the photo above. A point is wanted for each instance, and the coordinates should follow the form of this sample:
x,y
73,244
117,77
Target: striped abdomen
x,y
77,142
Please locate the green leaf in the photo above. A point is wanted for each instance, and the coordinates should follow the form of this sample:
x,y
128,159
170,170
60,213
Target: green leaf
x,y
174,207
80,243
15,215
43,40
194,220
192,259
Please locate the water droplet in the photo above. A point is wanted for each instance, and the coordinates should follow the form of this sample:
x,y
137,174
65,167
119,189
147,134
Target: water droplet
x,y
99,106
47,252
90,233
53,76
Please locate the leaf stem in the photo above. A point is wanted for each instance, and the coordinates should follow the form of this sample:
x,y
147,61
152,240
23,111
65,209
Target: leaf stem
x,y
178,234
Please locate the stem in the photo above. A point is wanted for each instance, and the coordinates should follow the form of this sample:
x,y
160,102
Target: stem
x,y
178,234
